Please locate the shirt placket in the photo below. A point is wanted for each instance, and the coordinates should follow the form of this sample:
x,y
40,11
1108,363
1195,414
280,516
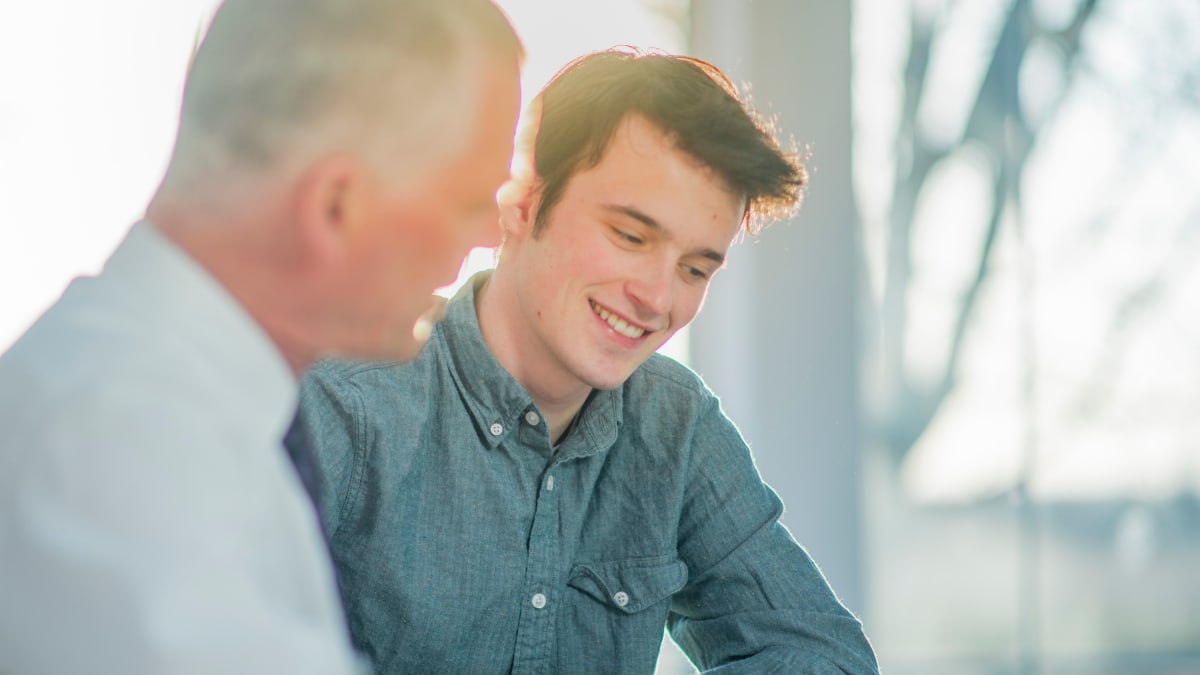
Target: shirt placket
x,y
537,623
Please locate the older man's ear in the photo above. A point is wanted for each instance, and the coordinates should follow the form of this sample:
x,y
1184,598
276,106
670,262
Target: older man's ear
x,y
328,206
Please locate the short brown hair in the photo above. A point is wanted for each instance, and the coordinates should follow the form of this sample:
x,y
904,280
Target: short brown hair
x,y
689,99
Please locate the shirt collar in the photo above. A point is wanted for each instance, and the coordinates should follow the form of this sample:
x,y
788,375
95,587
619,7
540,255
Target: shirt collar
x,y
195,309
493,397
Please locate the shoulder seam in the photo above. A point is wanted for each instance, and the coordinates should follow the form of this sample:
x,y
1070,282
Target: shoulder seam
x,y
664,368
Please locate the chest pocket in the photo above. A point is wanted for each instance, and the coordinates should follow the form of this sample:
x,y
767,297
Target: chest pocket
x,y
630,586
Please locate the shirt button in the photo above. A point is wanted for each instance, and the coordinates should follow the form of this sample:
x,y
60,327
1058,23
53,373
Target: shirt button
x,y
550,484
538,600
621,598
496,428
532,418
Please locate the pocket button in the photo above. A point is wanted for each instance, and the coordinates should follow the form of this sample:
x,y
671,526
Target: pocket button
x,y
621,598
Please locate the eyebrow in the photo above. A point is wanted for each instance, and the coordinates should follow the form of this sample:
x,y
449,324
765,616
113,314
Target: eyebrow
x,y
649,221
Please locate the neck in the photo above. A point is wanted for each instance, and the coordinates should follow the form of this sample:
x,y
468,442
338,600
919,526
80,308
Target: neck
x,y
252,267
557,393
558,420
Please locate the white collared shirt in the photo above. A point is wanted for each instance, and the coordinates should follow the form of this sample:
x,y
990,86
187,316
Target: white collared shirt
x,y
150,521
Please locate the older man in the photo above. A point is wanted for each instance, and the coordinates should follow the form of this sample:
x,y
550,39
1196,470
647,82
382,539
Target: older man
x,y
334,163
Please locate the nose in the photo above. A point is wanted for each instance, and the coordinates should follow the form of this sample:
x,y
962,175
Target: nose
x,y
650,289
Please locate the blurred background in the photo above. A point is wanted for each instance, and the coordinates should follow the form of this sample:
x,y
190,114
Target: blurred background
x,y
970,366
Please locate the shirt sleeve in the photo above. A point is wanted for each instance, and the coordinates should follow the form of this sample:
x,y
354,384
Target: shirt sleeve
x,y
136,536
332,410
755,602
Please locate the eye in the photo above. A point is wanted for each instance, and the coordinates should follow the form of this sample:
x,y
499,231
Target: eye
x,y
696,273
628,237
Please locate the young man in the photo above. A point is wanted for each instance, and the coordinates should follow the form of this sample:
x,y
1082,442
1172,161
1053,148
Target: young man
x,y
334,162
539,492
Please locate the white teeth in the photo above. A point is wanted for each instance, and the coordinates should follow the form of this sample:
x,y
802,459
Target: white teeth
x,y
618,324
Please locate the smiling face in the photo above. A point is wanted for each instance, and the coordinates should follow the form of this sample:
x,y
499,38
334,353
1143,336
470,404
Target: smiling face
x,y
623,262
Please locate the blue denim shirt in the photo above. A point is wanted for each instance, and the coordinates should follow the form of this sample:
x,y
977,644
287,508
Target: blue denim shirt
x,y
466,543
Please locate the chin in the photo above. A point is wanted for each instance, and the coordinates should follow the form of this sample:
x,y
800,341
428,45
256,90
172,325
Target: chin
x,y
407,350
402,355
398,346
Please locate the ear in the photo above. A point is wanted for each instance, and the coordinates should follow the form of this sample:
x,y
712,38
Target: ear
x,y
329,205
517,199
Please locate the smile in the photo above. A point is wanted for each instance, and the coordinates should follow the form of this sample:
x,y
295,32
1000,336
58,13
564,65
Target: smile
x,y
618,324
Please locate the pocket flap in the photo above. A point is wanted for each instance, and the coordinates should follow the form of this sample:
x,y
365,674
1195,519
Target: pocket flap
x,y
630,585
